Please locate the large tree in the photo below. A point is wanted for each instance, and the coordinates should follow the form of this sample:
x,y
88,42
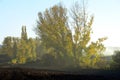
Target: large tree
x,y
87,53
54,31
70,46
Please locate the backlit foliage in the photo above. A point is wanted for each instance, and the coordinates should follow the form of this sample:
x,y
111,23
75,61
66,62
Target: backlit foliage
x,y
71,47
20,50
64,40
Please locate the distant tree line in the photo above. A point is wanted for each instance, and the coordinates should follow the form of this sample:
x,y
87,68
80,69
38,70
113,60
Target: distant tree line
x,y
62,40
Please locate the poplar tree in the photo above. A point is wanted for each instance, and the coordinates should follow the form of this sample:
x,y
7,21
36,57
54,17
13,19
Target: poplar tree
x,y
26,48
24,33
71,47
54,32
87,54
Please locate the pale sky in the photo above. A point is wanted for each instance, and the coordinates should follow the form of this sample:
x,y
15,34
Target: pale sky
x,y
15,13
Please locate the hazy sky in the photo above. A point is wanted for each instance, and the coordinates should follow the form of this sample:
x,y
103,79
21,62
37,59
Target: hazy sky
x,y
15,13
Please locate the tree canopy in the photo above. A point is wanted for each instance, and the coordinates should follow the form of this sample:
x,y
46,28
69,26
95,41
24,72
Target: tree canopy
x,y
72,46
64,40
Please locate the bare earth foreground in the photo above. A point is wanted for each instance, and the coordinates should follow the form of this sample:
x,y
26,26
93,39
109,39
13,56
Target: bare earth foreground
x,y
40,74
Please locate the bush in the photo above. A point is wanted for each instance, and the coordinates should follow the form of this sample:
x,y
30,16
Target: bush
x,y
14,61
116,60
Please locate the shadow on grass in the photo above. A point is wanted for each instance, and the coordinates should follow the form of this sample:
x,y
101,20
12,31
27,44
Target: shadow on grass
x,y
47,74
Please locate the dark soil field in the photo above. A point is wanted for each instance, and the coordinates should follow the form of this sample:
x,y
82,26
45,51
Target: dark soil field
x,y
37,74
